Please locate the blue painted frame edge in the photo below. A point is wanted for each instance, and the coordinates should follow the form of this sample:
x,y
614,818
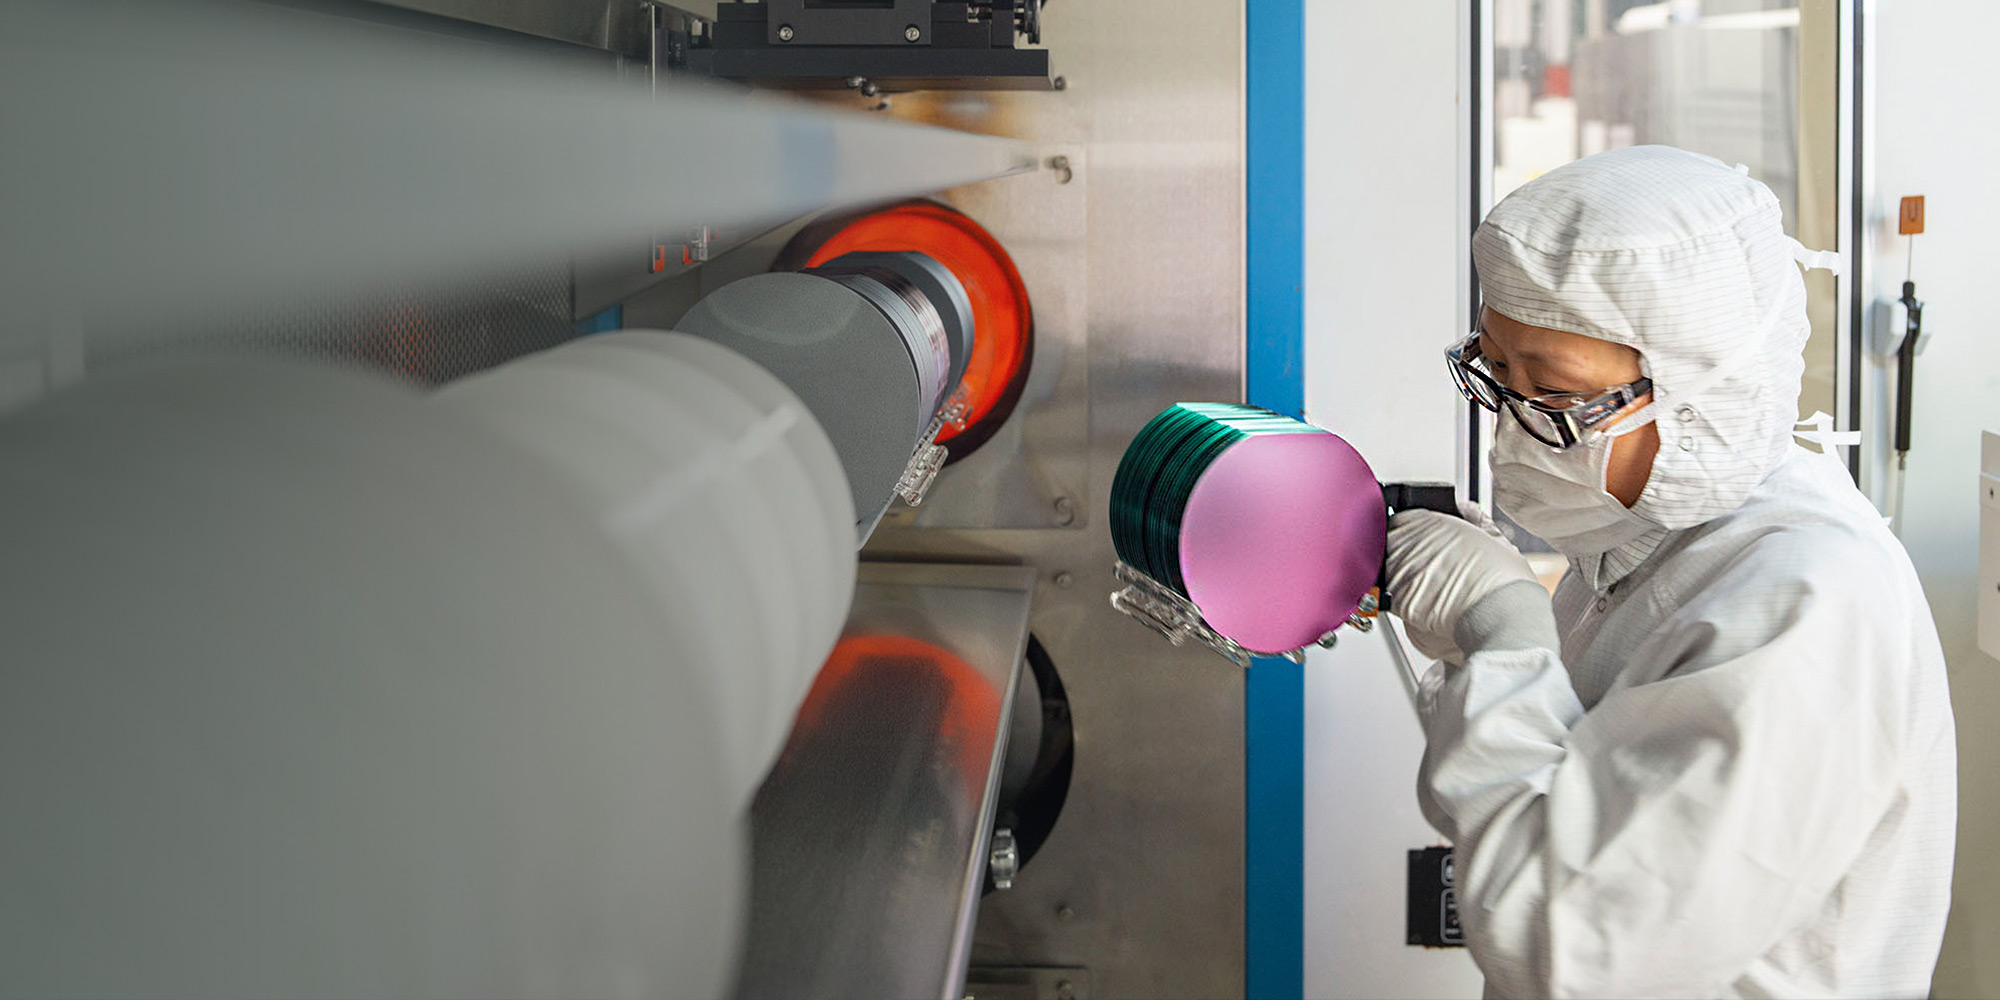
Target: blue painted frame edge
x,y
1274,378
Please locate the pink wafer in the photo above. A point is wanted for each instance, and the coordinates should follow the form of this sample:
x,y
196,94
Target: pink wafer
x,y
1281,538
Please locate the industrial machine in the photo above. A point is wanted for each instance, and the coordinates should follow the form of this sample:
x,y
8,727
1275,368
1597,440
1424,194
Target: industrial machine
x,y
550,517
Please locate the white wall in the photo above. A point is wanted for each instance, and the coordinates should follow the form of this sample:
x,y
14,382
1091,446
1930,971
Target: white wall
x,y
1384,224
1935,134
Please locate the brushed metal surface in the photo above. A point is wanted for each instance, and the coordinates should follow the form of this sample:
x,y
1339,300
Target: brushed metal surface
x,y
1135,269
869,838
1033,982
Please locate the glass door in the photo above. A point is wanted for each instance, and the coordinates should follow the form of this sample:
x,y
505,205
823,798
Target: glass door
x,y
1755,82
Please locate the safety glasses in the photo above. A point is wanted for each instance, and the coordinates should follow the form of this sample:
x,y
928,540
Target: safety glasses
x,y
1558,420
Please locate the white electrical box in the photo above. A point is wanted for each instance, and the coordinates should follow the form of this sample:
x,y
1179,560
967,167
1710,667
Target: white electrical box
x,y
1989,544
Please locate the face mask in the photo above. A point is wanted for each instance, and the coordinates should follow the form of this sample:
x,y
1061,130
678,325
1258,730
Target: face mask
x,y
1559,495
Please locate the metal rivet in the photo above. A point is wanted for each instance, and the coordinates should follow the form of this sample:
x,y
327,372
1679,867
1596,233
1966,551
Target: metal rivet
x,y
1065,510
1064,913
1065,579
784,32
1064,173
1065,990
1603,602
1685,412
1061,83
912,33
1687,444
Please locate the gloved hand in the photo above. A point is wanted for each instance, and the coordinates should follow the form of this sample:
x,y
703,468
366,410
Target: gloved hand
x,y
1477,515
1439,567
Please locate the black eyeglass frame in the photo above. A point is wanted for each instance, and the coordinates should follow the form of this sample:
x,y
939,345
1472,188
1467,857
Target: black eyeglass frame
x,y
1569,415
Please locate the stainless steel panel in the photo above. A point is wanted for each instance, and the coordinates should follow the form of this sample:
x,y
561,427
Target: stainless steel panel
x,y
1141,880
869,839
1033,982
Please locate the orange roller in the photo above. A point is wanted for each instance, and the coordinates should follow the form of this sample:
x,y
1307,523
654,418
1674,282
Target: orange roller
x,y
1003,321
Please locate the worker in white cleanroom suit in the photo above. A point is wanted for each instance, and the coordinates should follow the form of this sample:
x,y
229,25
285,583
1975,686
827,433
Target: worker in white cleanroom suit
x,y
1721,761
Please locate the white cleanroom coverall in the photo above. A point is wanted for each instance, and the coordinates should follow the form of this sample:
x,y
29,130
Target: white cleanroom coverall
x,y
1721,762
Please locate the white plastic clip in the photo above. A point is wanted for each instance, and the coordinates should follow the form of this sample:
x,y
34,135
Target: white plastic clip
x,y
929,456
1170,614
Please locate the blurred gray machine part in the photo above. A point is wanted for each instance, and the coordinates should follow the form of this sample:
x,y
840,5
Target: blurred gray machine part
x,y
421,157
317,687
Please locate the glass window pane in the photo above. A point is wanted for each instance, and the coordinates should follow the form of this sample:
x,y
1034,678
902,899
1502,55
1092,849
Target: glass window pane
x,y
1745,81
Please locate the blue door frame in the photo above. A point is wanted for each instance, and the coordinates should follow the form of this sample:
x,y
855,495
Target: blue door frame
x,y
1274,378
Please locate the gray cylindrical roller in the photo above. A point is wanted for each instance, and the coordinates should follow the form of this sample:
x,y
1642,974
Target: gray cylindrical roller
x,y
844,359
315,688
945,292
717,486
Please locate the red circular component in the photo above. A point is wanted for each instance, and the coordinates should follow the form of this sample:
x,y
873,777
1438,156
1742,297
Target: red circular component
x,y
1003,324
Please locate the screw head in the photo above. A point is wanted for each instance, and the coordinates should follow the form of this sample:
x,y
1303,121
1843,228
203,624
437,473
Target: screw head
x,y
855,82
913,33
785,33
1061,83
1065,990
1064,579
1065,510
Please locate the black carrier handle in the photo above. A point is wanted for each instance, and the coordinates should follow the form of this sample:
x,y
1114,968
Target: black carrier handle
x,y
1440,497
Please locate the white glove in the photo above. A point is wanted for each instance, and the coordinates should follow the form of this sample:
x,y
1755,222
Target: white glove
x,y
1439,566
1477,515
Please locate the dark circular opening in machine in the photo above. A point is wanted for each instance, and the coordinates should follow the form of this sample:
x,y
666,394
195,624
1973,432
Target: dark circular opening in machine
x,y
1034,780
1003,319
